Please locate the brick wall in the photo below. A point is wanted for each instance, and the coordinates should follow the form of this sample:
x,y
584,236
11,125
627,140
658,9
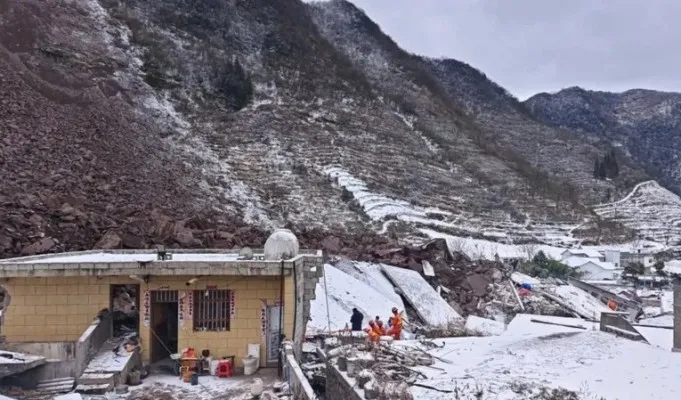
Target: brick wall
x,y
251,295
62,308
53,309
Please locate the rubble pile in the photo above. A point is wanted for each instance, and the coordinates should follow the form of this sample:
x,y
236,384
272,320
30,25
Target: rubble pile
x,y
480,287
381,370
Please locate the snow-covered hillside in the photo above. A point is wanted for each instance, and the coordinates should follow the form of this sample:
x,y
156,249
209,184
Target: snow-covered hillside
x,y
649,209
451,217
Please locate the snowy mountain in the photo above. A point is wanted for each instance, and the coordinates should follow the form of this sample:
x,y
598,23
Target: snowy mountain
x,y
643,123
208,123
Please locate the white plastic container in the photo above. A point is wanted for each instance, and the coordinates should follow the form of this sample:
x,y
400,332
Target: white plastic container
x,y
214,367
256,387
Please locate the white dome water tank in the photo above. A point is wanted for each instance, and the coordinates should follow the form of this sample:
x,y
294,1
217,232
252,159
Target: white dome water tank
x,y
281,245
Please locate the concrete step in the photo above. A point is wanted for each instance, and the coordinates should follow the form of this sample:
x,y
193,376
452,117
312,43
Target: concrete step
x,y
96,378
60,385
48,381
95,389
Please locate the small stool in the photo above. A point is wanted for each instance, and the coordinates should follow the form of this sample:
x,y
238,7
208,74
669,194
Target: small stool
x,y
224,369
185,374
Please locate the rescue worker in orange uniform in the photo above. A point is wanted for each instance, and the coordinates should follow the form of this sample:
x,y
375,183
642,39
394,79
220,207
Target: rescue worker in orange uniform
x,y
379,328
372,335
395,323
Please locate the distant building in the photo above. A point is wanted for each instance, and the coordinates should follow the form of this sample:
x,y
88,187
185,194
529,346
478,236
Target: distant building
x,y
582,253
594,269
613,256
638,256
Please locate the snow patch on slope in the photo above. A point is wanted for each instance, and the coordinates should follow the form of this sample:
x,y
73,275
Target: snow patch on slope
x,y
377,206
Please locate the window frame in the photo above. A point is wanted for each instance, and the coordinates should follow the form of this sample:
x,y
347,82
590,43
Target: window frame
x,y
212,315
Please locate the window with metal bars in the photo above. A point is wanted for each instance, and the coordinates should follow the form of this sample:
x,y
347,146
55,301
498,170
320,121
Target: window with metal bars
x,y
211,310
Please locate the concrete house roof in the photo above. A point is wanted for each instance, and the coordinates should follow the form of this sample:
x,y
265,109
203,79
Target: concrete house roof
x,y
582,252
576,262
145,262
601,264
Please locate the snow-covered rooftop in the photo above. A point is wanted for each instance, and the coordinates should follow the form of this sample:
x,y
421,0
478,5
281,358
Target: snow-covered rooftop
x,y
673,267
583,252
111,258
124,262
576,261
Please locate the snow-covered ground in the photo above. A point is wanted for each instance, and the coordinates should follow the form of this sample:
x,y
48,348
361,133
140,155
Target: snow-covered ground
x,y
429,305
209,388
593,363
662,320
345,292
540,325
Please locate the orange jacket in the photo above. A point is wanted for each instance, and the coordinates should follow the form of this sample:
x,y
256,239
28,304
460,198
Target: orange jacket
x,y
396,322
372,335
379,330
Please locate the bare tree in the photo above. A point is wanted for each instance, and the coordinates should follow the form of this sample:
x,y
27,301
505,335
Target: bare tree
x,y
529,249
637,243
458,245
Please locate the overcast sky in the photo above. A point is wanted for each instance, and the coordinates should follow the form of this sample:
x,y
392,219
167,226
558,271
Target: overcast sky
x,y
530,46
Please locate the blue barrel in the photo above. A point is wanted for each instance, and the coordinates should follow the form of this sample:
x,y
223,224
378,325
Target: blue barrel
x,y
526,286
195,379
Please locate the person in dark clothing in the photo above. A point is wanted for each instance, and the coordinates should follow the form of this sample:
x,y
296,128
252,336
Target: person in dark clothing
x,y
356,320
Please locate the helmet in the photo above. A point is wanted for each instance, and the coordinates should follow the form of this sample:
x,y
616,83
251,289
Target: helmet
x,y
371,322
394,310
380,323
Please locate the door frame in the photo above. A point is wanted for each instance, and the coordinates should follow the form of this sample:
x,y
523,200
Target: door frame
x,y
137,301
270,362
153,336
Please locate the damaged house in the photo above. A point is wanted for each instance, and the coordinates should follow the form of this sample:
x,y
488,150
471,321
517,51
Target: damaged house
x,y
233,305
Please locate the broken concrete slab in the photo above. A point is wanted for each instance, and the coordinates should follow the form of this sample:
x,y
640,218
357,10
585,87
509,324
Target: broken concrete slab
x,y
429,306
477,326
15,363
